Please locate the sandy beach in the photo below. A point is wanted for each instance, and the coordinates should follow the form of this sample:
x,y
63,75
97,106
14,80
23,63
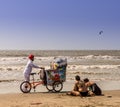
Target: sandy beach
x,y
45,99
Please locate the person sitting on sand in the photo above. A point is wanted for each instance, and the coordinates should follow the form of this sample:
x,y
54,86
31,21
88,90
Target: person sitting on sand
x,y
79,88
94,89
29,67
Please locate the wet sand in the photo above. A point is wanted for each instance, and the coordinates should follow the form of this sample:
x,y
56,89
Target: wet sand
x,y
45,99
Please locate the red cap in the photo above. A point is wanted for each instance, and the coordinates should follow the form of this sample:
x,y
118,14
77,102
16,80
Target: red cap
x,y
31,56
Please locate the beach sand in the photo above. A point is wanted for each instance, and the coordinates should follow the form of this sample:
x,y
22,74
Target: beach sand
x,y
45,99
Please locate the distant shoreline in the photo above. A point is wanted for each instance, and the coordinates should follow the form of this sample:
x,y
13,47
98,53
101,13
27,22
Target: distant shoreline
x,y
17,53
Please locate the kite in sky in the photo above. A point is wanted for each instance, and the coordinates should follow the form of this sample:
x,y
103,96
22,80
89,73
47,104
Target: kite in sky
x,y
100,32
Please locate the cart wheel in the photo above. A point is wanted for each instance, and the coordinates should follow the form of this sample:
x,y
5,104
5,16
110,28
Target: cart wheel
x,y
57,86
25,87
49,87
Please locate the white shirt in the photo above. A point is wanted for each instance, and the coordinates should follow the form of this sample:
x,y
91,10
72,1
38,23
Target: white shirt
x,y
29,67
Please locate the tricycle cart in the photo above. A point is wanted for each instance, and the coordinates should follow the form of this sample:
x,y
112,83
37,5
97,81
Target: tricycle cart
x,y
52,78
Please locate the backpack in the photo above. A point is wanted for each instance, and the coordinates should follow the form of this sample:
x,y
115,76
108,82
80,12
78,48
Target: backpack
x,y
43,76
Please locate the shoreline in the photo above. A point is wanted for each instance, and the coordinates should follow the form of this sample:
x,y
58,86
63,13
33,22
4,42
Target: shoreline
x,y
14,87
46,99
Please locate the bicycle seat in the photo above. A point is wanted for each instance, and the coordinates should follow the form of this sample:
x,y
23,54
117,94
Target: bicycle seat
x,y
32,73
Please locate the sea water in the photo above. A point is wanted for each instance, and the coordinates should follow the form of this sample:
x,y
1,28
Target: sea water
x,y
101,66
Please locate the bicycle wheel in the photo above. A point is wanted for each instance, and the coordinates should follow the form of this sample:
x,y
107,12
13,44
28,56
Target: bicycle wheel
x,y
25,87
57,86
49,87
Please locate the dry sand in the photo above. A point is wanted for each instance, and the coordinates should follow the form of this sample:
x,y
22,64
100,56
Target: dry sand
x,y
41,99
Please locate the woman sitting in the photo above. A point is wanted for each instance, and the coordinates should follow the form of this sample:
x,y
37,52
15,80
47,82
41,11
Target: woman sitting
x,y
93,87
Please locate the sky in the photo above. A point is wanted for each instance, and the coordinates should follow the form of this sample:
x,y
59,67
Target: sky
x,y
59,24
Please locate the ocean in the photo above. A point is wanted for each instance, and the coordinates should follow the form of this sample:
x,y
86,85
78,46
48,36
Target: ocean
x,y
101,66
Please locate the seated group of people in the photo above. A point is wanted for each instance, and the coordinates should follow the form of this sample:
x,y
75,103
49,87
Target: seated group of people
x,y
84,88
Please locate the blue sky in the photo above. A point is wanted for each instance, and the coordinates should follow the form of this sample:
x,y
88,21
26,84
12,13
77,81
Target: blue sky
x,y
59,24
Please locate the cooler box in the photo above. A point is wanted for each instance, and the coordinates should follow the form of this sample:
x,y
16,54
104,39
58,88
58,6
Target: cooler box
x,y
56,75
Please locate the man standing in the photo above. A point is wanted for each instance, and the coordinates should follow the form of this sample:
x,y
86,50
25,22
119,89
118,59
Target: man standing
x,y
29,66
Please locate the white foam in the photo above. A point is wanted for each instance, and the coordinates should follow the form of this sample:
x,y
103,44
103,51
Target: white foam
x,y
12,67
84,67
